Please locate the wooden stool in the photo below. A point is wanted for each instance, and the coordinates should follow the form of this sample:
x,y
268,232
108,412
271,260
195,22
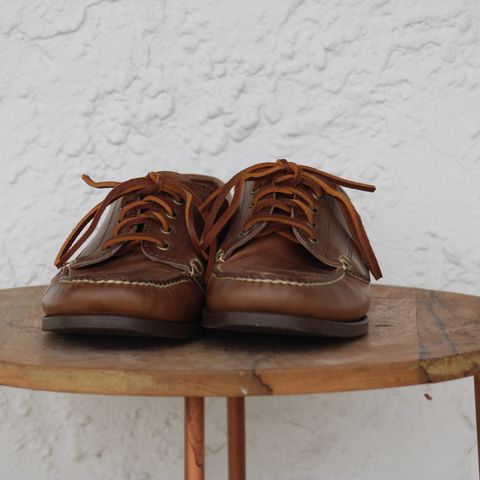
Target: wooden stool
x,y
416,337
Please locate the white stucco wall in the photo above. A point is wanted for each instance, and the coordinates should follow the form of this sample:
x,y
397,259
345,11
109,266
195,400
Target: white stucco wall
x,y
379,91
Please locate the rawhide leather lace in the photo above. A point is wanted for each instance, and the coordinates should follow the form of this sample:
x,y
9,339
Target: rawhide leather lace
x,y
143,203
285,195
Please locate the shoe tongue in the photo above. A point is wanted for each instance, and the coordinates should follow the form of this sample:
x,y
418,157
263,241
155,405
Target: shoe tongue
x,y
295,212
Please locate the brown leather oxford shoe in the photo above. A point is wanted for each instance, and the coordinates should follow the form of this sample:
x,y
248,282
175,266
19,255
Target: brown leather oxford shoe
x,y
296,258
142,271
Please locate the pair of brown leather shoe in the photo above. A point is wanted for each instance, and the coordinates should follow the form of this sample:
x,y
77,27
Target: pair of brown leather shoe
x,y
169,253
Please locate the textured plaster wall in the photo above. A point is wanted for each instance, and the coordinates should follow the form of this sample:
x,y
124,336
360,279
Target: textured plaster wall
x,y
381,91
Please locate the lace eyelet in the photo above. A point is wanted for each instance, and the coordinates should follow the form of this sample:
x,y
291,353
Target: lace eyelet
x,y
164,247
253,192
312,240
251,205
178,202
315,196
169,231
313,225
315,210
172,216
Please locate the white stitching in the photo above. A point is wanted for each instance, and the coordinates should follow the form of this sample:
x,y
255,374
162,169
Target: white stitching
x,y
285,282
124,282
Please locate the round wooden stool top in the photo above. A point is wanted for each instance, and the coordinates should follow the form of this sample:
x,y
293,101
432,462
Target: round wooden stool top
x,y
416,336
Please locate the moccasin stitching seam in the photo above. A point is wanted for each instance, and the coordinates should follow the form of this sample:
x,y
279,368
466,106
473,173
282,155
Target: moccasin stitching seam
x,y
124,282
284,282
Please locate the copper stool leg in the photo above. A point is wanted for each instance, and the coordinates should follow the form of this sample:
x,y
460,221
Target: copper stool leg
x,y
194,438
236,438
476,380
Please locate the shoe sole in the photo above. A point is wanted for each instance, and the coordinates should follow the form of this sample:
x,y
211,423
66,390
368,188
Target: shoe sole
x,y
119,326
283,324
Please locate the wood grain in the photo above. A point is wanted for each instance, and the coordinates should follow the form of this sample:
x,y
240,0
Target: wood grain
x,y
416,336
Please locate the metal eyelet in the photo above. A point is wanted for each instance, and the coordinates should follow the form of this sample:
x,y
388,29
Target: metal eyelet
x,y
315,196
313,225
178,202
315,210
170,230
164,247
253,192
252,205
172,216
312,240
242,234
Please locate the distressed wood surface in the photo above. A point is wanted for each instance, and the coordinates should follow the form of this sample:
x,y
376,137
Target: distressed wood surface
x,y
416,336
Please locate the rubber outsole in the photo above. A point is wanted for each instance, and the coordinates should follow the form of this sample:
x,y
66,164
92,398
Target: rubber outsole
x,y
119,326
283,324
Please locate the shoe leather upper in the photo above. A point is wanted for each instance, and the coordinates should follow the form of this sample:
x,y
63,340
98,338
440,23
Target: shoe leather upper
x,y
270,261
142,257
